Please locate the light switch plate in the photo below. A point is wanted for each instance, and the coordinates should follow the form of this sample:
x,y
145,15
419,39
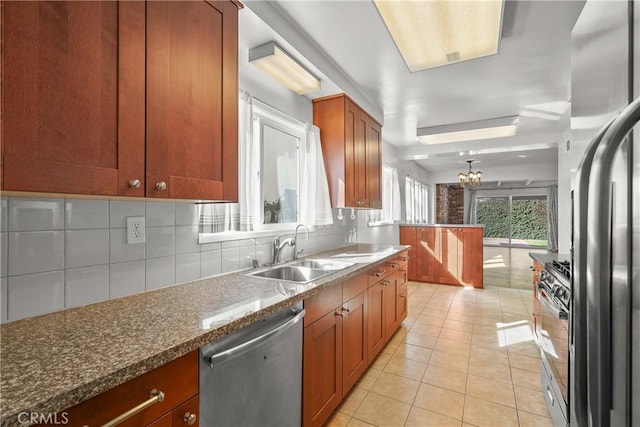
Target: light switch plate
x,y
135,229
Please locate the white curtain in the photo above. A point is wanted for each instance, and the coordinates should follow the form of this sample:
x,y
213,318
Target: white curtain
x,y
248,164
552,218
473,200
396,214
315,203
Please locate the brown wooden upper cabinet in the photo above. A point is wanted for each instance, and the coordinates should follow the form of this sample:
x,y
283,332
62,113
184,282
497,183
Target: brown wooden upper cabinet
x,y
121,98
352,150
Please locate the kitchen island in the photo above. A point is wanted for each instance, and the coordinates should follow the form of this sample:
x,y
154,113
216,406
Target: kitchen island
x,y
55,361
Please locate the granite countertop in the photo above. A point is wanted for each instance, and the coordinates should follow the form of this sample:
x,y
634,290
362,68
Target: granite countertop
x,y
406,224
55,361
544,257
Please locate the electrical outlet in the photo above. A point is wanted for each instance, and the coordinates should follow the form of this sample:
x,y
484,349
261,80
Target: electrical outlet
x,y
135,229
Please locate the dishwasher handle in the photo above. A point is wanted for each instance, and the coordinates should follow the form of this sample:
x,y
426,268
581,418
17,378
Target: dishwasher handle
x,y
240,348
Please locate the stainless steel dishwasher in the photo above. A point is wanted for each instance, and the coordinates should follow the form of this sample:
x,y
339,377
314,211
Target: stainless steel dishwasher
x,y
253,377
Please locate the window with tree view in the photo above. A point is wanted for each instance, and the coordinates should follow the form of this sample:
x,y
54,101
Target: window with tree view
x,y
514,220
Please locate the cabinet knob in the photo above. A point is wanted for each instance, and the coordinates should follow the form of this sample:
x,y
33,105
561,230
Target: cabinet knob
x,y
345,309
134,183
337,313
161,185
189,418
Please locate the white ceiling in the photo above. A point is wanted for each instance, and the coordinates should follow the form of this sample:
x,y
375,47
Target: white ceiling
x,y
529,77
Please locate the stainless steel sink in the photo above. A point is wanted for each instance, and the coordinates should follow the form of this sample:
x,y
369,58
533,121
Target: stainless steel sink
x,y
292,273
324,264
302,271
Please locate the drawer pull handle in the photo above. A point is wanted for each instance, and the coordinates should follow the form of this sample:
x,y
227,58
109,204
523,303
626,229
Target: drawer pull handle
x,y
403,296
155,396
404,259
161,186
189,418
386,282
337,313
345,309
379,273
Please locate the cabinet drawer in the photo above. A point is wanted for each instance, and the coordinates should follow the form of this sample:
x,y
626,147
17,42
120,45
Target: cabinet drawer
x,y
178,380
378,273
322,303
354,286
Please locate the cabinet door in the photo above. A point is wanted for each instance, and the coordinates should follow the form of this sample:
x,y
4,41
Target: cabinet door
x,y
187,412
402,299
192,107
408,237
471,257
322,369
446,261
537,309
73,97
374,164
375,320
354,339
426,267
391,314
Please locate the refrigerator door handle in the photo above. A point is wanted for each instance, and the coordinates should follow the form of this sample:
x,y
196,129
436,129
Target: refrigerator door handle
x,y
578,321
599,265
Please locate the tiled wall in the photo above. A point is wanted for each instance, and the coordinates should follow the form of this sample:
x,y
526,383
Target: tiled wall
x,y
60,253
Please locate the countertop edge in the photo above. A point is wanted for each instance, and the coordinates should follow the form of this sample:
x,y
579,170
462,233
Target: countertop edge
x,y
65,400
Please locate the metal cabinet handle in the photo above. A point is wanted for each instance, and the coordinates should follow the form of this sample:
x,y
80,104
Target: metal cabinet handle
x,y
155,396
337,313
386,282
379,273
345,309
404,259
134,183
402,296
161,185
189,418
532,268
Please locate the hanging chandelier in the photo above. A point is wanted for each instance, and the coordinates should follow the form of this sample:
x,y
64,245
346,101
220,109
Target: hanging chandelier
x,y
471,178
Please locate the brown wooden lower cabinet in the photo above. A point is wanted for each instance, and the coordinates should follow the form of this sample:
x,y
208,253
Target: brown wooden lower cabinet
x,y
446,255
342,337
178,380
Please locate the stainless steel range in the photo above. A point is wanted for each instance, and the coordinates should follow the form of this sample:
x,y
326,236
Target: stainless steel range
x,y
554,294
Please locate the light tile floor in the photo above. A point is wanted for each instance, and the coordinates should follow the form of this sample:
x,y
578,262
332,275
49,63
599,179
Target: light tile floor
x,y
462,358
508,267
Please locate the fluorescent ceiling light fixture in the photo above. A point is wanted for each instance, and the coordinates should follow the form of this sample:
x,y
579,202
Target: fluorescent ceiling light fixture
x,y
434,33
469,131
276,62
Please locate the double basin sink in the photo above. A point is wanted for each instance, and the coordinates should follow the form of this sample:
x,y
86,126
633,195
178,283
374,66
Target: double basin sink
x,y
303,271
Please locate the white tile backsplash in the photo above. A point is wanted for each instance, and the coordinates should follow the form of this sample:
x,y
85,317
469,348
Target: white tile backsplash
x,y
160,213
88,238
85,214
187,239
160,272
4,254
126,278
3,299
187,267
4,214
35,252
229,259
34,294
84,248
160,242
86,285
36,214
210,263
187,214
119,211
120,251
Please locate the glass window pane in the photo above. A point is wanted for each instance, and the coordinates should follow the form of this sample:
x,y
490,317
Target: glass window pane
x,y
529,221
493,212
279,176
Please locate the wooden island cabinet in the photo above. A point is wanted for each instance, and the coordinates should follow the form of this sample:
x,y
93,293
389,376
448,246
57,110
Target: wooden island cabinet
x,y
120,98
445,254
345,328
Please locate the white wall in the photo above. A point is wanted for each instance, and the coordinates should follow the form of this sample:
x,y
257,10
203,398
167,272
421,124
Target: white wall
x,y
389,234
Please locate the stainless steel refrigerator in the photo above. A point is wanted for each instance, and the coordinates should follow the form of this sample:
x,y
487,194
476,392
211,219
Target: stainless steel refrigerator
x,y
605,311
